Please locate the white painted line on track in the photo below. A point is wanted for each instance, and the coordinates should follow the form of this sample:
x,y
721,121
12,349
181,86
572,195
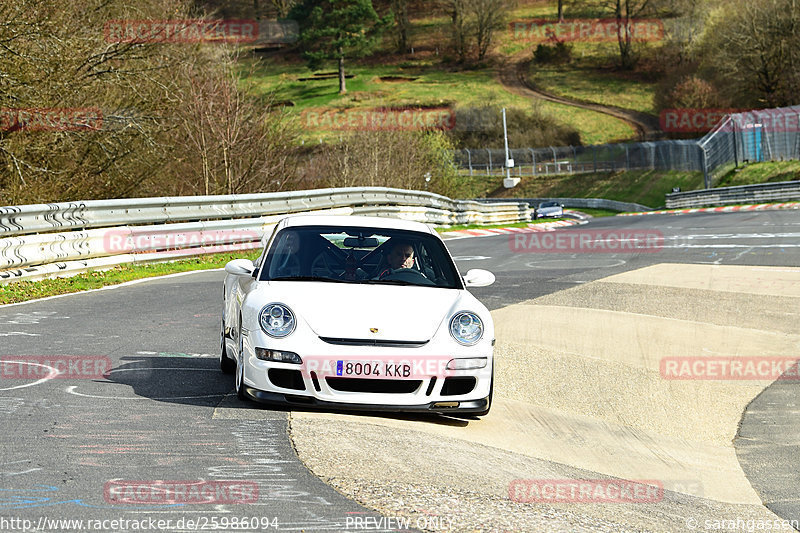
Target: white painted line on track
x,y
71,390
567,263
53,373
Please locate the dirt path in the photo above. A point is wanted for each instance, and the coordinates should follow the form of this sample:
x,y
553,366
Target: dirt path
x,y
513,76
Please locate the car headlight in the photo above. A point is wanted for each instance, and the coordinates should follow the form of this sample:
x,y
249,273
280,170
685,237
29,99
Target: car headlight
x,y
277,320
466,328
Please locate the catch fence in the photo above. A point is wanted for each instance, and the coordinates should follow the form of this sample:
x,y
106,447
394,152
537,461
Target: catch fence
x,y
748,137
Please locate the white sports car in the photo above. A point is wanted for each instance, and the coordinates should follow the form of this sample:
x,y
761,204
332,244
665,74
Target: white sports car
x,y
360,313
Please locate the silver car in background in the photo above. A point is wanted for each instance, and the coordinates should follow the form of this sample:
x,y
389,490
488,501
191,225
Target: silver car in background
x,y
549,209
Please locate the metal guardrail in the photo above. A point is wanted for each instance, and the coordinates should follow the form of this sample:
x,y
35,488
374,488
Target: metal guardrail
x,y
47,240
589,203
20,220
742,194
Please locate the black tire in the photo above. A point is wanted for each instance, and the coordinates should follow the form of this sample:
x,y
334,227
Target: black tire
x,y
238,380
226,364
491,393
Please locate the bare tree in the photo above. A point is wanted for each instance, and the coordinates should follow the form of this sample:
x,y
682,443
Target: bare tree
x,y
242,145
475,21
282,6
388,159
402,24
489,16
625,11
754,49
459,13
142,93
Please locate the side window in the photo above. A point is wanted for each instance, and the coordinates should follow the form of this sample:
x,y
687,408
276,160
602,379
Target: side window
x,y
426,264
266,241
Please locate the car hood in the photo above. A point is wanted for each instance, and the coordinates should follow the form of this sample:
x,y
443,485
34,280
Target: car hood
x,y
350,311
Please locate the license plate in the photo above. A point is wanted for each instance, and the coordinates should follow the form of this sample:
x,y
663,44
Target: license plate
x,y
372,369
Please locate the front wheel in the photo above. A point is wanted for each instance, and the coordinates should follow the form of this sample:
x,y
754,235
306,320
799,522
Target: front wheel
x,y
239,380
491,393
226,364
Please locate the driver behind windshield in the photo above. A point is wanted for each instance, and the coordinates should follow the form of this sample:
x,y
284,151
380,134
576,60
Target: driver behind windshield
x,y
401,255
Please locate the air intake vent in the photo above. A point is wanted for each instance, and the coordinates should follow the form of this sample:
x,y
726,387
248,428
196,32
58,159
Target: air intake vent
x,y
374,342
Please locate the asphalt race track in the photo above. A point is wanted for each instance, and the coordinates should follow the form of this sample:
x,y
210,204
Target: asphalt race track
x,y
726,283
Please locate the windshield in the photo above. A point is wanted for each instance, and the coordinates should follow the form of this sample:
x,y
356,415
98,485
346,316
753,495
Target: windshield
x,y
351,254
548,204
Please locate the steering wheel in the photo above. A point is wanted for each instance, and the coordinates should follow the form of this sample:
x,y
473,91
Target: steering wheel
x,y
410,275
320,265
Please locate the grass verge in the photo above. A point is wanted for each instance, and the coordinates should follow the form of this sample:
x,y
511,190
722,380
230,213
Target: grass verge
x,y
490,226
20,291
768,172
646,187
596,212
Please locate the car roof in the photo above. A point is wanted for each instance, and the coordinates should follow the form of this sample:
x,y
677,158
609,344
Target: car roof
x,y
354,220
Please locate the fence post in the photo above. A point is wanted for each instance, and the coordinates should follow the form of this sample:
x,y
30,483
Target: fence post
x,y
574,160
706,177
735,148
785,137
797,138
627,159
594,157
469,161
490,161
533,162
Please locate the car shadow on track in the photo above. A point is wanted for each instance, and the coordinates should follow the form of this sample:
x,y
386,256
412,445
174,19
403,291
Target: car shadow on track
x,y
199,381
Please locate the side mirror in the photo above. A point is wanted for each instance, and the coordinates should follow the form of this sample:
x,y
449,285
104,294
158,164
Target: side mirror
x,y
240,267
478,278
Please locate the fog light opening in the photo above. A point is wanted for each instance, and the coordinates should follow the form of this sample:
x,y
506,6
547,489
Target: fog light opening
x,y
277,356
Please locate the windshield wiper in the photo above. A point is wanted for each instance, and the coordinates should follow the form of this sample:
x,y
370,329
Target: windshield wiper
x,y
389,282
307,278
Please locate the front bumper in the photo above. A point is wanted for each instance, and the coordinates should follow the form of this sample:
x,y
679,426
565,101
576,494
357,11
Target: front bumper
x,y
464,407
427,389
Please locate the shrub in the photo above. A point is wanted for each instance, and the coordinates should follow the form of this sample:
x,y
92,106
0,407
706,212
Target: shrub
x,y
557,54
399,159
482,127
